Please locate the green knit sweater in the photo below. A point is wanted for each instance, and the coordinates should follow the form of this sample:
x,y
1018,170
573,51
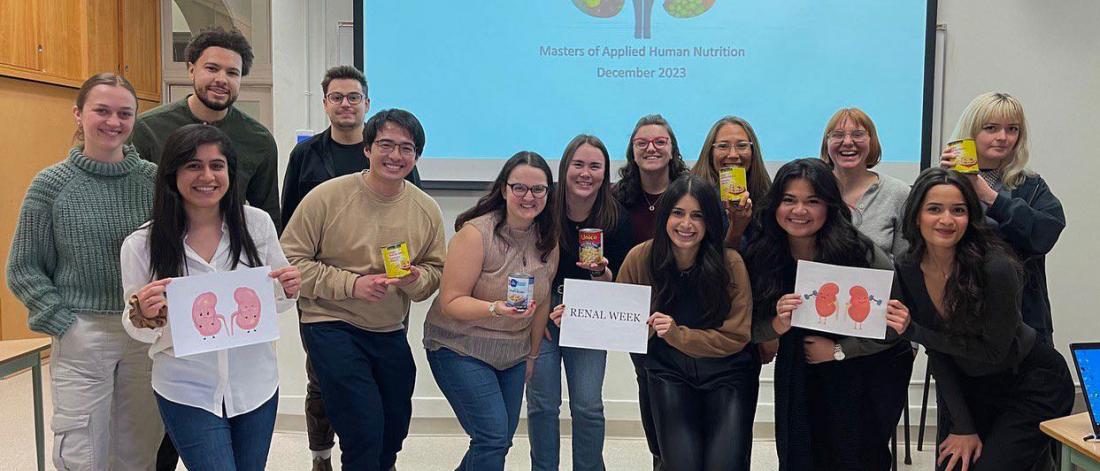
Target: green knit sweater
x,y
65,254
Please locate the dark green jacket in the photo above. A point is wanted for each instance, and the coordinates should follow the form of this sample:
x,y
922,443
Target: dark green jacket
x,y
257,156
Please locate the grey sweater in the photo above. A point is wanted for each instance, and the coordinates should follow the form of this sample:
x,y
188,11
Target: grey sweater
x,y
878,214
64,255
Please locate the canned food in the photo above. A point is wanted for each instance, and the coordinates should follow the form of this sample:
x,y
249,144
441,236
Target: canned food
x,y
966,160
396,258
590,245
521,287
733,182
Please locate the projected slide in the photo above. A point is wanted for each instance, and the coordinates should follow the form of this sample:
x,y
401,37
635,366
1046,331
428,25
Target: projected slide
x,y
491,77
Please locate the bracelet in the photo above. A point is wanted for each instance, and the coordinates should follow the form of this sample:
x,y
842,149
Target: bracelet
x,y
597,274
533,357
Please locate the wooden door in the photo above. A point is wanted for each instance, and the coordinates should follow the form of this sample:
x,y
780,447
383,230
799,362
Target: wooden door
x,y
140,44
19,35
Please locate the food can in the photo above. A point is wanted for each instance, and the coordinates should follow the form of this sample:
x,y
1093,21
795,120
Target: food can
x,y
396,257
590,245
521,287
966,160
733,184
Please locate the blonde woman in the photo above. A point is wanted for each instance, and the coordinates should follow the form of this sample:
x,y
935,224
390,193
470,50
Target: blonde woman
x,y
1017,201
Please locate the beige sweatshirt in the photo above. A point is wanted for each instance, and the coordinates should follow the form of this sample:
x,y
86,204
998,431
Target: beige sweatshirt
x,y
337,234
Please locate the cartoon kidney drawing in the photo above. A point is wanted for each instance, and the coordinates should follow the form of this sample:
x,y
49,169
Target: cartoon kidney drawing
x,y
859,304
205,315
826,300
247,315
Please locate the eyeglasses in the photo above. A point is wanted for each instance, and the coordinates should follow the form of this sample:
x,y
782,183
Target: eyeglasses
x,y
858,135
725,147
520,190
387,146
337,98
658,142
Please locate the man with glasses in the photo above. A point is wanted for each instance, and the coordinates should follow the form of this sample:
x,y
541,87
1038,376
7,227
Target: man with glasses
x,y
336,151
341,237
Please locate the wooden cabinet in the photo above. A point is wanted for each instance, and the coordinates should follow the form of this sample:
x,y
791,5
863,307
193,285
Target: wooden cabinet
x,y
19,37
140,43
63,42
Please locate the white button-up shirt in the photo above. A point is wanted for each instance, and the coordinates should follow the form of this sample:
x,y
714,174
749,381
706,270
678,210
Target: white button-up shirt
x,y
241,379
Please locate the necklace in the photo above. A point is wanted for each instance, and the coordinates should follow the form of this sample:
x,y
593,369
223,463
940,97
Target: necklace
x,y
944,272
652,204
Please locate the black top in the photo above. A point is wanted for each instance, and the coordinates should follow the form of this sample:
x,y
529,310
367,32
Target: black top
x,y
1000,340
348,158
643,219
1030,219
617,242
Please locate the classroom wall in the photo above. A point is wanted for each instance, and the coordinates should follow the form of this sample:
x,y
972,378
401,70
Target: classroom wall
x,y
1042,52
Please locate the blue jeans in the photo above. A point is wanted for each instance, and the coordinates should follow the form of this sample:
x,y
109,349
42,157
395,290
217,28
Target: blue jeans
x,y
485,400
584,372
366,381
208,442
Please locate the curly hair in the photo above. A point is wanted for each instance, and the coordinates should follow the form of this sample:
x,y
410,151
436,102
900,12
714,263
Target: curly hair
x,y
216,36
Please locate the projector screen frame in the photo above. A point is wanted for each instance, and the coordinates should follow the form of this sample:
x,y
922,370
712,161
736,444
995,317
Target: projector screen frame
x,y
930,27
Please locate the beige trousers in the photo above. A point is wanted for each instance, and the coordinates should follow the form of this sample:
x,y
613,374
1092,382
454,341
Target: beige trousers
x,y
104,414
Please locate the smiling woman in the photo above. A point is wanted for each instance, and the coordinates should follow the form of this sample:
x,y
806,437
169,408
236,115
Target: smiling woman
x,y
64,267
701,382
480,349
838,399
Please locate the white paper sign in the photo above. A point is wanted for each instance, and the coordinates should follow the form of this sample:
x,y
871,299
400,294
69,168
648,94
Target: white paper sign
x,y
842,300
218,311
600,315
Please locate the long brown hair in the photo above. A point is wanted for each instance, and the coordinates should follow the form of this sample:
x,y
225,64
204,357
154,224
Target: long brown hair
x,y
757,174
605,212
104,78
493,202
629,187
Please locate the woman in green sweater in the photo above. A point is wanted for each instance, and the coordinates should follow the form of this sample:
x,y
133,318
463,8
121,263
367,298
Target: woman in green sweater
x,y
64,266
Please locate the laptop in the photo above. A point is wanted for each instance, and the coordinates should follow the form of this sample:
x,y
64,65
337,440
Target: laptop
x,y
1086,357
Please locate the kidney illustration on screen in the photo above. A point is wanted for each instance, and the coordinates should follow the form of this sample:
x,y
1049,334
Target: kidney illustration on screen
x,y
643,11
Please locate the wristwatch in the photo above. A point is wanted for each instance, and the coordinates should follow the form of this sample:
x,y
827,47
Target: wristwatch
x,y
838,353
493,309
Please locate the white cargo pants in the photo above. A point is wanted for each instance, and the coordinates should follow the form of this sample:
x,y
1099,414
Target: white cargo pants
x,y
104,414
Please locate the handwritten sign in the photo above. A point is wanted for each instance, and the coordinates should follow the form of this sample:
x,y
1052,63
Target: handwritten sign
x,y
601,315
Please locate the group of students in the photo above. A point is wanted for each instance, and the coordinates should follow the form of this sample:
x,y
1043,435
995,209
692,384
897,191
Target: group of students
x,y
103,232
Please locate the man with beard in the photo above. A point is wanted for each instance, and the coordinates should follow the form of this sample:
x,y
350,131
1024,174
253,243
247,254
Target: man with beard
x,y
216,61
335,152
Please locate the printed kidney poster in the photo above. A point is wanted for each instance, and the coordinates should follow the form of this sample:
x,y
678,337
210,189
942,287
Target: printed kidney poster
x,y
218,311
842,300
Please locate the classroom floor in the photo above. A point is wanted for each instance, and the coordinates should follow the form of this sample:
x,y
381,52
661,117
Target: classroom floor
x,y
289,449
